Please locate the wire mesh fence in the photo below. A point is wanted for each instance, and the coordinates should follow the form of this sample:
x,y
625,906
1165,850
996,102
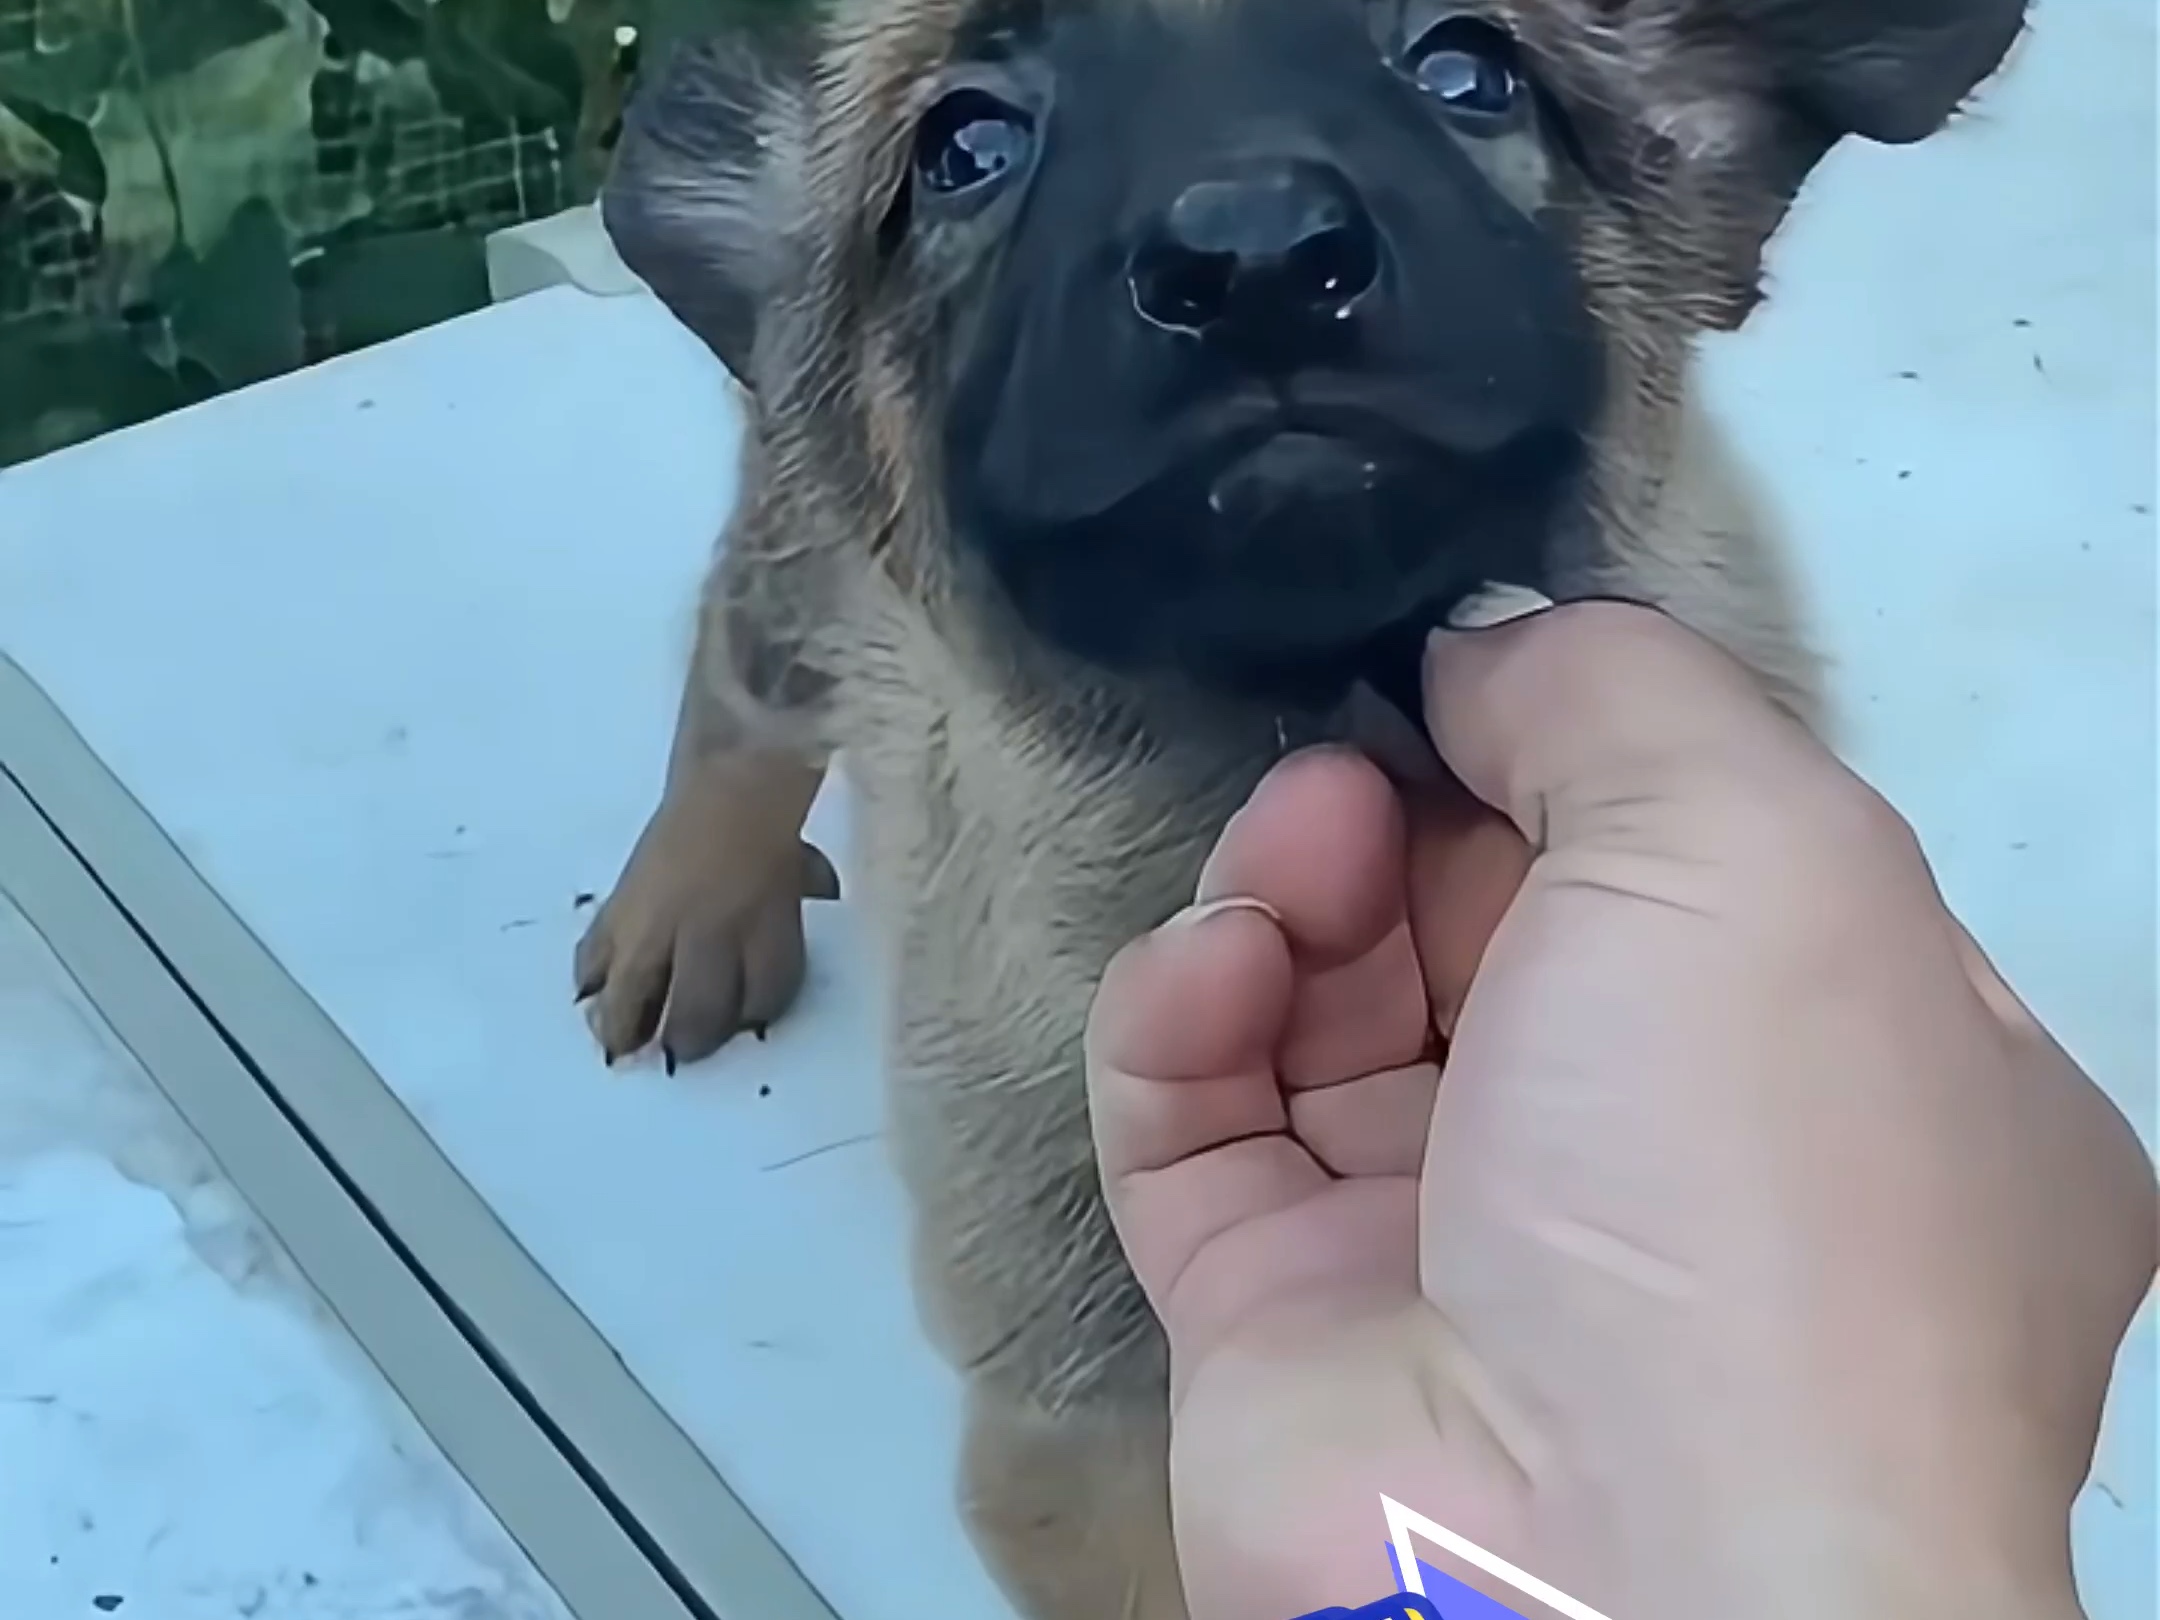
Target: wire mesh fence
x,y
196,194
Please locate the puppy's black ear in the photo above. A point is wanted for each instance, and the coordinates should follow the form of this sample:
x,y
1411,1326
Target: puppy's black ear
x,y
1892,71
692,202
1885,70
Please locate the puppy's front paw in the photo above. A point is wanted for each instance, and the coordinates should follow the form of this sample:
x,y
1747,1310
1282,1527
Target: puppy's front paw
x,y
702,937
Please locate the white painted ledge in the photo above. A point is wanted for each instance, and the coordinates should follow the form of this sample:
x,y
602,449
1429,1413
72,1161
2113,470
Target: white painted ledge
x,y
569,249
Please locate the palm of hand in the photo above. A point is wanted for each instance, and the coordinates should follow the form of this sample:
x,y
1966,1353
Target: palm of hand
x,y
1266,1124
1276,1087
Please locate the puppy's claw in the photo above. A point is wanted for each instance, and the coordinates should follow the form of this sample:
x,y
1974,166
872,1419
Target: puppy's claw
x,y
756,1030
588,974
819,880
667,1058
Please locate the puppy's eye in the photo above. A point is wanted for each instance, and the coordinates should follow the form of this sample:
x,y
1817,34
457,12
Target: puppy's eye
x,y
1469,65
969,139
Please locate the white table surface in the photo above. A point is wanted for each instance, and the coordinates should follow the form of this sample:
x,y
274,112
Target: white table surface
x,y
391,648
188,1434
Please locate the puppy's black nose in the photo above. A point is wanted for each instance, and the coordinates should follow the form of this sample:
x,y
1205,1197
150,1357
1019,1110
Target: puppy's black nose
x,y
1271,249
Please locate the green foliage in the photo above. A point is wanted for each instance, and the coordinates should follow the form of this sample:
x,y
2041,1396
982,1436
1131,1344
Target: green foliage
x,y
65,385
498,59
166,38
199,194
80,168
391,29
373,288
235,312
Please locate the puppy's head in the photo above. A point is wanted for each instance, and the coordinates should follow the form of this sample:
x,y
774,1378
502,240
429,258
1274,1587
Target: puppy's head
x,y
1228,337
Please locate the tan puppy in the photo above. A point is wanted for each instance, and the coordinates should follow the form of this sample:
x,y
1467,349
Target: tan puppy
x,y
1130,380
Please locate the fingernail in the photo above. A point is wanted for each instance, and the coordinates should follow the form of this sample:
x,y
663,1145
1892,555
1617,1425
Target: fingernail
x,y
1193,915
1497,603
1207,867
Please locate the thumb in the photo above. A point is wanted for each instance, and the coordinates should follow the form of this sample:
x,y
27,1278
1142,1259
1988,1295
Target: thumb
x,y
1572,712
1649,776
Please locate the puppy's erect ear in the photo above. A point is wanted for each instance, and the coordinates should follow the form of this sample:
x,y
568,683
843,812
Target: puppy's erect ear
x,y
696,200
1885,70
1892,71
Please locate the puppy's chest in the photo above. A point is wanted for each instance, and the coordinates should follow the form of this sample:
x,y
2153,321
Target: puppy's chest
x,y
1007,864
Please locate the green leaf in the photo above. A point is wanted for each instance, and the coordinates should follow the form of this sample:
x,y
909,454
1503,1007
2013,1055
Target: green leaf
x,y
70,79
178,36
390,29
372,288
68,384
236,311
82,167
502,59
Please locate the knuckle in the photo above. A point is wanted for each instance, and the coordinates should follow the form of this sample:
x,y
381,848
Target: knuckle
x,y
1837,821
1835,858
1586,639
1587,658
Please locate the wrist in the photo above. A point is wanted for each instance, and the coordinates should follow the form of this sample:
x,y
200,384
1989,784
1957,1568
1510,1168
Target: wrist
x,y
1880,1529
1928,1507
1868,1566
1979,1535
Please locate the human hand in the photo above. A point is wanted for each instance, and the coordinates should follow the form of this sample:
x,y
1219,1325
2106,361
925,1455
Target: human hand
x,y
1758,1253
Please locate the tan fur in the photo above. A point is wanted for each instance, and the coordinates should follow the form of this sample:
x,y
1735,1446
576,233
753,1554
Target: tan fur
x,y
1001,866
1020,819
